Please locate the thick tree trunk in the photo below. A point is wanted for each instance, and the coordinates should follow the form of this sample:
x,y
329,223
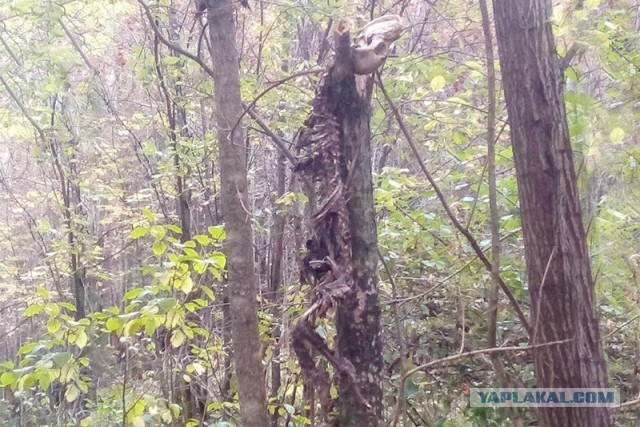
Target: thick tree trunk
x,y
358,319
559,273
234,191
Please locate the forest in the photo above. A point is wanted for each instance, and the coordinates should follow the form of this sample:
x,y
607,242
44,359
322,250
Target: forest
x,y
287,213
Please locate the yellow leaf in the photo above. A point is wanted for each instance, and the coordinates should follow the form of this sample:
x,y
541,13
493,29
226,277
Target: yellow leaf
x,y
53,325
617,135
43,292
72,393
166,416
437,83
177,338
81,339
187,284
83,386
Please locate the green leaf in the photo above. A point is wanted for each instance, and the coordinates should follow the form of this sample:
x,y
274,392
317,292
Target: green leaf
x,y
150,326
166,304
208,292
174,259
53,325
166,416
72,393
188,332
187,284
204,240
617,135
81,339
199,266
7,379
60,358
174,228
83,386
131,327
149,215
43,292
43,225
191,253
69,306
52,309
45,380
217,232
132,293
159,248
113,324
219,259
438,83
158,232
25,382
138,232
27,348
32,310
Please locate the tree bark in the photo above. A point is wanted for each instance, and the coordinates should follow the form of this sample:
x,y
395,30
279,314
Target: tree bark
x,y
358,318
275,281
235,204
559,274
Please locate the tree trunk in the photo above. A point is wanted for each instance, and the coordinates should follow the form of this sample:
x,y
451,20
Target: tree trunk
x,y
358,319
235,203
560,281
275,281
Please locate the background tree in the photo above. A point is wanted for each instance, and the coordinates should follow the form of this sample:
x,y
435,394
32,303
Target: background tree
x,y
243,288
560,281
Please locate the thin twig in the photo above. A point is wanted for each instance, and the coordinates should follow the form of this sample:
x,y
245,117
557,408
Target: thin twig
x,y
609,335
542,283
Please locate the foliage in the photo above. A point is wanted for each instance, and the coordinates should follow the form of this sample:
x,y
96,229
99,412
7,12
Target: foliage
x,y
86,150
